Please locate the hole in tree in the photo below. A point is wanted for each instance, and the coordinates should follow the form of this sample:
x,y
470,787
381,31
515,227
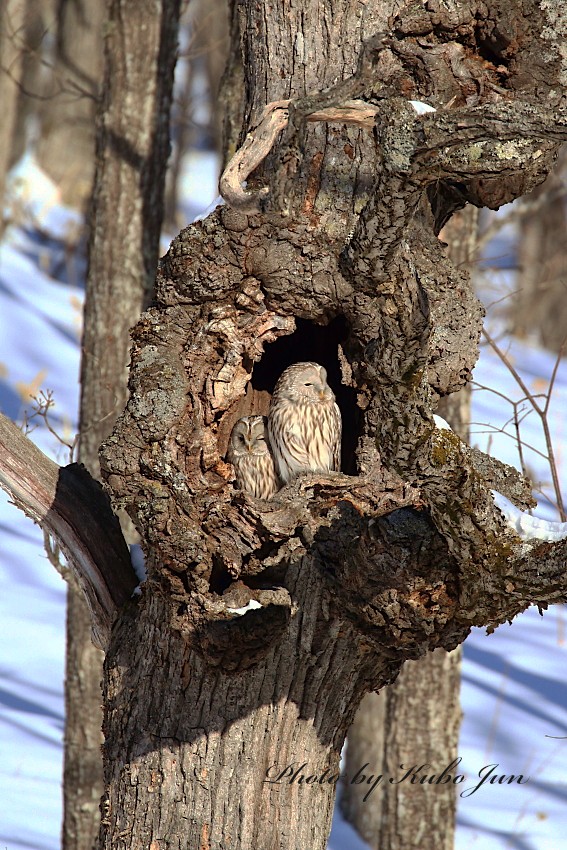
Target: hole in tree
x,y
493,46
318,343
219,579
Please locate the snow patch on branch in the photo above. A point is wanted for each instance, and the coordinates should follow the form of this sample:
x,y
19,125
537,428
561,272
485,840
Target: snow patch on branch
x,y
218,202
253,604
421,108
529,527
526,526
138,565
441,423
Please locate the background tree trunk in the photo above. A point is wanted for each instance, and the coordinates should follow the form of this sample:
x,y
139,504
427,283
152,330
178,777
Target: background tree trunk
x,y
66,145
126,214
12,19
540,305
365,747
82,763
423,814
199,71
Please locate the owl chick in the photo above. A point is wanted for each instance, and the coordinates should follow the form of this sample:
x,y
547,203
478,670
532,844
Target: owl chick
x,y
250,454
304,422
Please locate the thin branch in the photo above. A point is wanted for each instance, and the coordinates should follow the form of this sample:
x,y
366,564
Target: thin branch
x,y
42,405
542,413
495,430
554,373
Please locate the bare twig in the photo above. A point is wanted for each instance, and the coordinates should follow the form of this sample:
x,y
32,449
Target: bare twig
x,y
541,412
493,429
43,403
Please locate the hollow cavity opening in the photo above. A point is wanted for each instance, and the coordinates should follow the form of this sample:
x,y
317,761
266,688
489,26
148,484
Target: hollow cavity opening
x,y
309,342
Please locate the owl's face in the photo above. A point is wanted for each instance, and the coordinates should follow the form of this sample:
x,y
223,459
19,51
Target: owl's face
x,y
249,437
303,382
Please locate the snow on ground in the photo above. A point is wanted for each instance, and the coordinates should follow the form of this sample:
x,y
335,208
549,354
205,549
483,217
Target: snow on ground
x,y
514,697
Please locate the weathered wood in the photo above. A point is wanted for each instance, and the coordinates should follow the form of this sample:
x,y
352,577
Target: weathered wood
x,y
71,506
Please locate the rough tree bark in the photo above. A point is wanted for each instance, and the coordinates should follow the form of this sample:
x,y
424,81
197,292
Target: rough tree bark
x,y
353,573
417,718
126,215
540,306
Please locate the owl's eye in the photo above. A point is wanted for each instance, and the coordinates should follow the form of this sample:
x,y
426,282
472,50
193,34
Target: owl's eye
x,y
308,384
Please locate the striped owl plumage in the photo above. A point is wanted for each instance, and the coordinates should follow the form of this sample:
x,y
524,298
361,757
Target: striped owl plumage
x,y
250,454
304,422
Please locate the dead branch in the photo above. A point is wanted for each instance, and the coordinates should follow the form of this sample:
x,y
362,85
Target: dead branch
x,y
72,507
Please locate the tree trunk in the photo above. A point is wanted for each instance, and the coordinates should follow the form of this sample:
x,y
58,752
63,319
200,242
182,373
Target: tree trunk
x,y
127,205
540,306
12,15
132,149
423,713
206,26
35,39
219,766
66,146
365,751
425,812
263,623
82,769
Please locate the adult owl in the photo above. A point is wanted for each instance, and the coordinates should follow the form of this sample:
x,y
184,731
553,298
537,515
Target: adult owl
x,y
249,452
304,422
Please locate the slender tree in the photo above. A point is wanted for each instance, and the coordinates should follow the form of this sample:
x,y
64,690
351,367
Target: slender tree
x,y
232,678
540,305
65,148
12,18
125,223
